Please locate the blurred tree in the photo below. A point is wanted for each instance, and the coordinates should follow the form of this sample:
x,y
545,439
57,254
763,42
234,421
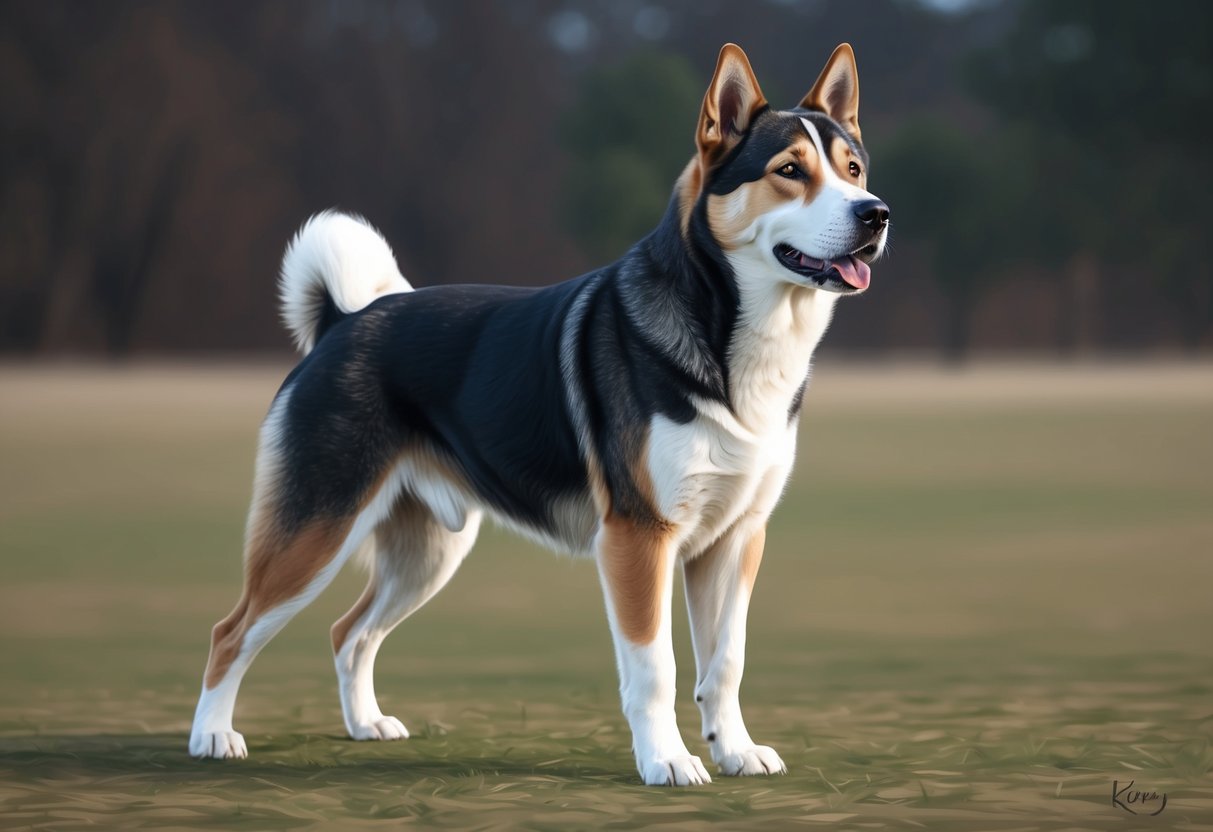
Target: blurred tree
x,y
155,158
630,133
960,199
1117,99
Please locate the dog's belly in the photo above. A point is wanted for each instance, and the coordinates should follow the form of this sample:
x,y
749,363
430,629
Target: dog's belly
x,y
571,530
711,472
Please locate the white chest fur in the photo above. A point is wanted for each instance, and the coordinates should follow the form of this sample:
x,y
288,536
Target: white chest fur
x,y
724,464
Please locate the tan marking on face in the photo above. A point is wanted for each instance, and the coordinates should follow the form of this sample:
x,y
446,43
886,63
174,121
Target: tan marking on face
x,y
731,215
636,565
751,556
690,181
340,630
841,157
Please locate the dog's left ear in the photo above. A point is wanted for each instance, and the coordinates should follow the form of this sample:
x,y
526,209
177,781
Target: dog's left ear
x,y
836,92
732,100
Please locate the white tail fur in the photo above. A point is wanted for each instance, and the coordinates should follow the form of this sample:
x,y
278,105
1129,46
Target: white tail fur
x,y
339,256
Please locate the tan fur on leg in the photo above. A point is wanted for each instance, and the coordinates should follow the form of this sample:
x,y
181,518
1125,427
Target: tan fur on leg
x,y
342,626
276,570
635,561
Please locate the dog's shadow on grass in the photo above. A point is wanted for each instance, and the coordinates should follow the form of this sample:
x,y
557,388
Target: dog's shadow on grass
x,y
281,760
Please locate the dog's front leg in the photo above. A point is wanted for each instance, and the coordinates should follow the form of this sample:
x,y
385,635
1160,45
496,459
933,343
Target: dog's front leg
x,y
636,563
718,587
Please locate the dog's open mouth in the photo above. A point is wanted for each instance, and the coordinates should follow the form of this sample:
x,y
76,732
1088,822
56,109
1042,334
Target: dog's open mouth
x,y
845,274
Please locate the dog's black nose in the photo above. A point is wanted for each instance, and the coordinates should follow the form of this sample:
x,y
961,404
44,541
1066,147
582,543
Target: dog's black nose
x,y
873,213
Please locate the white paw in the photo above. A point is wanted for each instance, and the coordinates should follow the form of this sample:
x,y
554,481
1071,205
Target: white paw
x,y
221,745
675,771
757,759
383,728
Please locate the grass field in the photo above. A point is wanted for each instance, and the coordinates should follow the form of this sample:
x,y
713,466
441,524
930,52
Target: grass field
x,y
987,595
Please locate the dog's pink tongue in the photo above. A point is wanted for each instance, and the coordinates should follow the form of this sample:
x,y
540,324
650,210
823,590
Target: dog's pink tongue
x,y
855,272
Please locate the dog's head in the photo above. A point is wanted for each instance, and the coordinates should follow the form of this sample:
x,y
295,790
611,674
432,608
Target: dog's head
x,y
784,192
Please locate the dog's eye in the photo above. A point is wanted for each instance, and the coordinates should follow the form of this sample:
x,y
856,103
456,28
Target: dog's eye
x,y
854,169
789,171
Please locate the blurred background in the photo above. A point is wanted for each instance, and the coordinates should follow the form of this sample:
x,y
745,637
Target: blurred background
x,y
984,597
1047,162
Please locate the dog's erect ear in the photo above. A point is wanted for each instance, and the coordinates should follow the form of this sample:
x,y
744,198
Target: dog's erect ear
x,y
731,102
836,92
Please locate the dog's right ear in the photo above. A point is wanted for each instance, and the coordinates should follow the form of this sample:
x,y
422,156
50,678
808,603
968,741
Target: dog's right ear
x,y
732,100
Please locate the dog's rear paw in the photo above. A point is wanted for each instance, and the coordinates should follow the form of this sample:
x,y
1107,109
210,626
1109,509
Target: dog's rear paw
x,y
383,728
757,759
675,771
222,745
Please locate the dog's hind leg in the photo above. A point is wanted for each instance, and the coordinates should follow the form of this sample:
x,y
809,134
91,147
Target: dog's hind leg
x,y
415,556
293,549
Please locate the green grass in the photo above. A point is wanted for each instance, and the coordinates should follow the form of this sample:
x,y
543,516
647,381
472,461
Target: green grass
x,y
986,596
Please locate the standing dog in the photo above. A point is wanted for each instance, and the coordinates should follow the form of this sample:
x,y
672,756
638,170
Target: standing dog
x,y
644,414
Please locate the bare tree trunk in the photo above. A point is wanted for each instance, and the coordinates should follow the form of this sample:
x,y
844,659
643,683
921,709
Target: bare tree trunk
x,y
126,274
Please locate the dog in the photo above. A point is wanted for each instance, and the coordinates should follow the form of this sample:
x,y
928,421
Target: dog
x,y
644,414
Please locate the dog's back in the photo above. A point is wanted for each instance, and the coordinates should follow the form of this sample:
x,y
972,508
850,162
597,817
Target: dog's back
x,y
645,414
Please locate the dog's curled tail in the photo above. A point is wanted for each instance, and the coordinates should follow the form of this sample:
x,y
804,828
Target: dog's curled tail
x,y
334,265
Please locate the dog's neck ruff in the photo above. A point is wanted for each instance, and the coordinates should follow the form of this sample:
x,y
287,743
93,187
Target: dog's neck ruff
x,y
778,327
